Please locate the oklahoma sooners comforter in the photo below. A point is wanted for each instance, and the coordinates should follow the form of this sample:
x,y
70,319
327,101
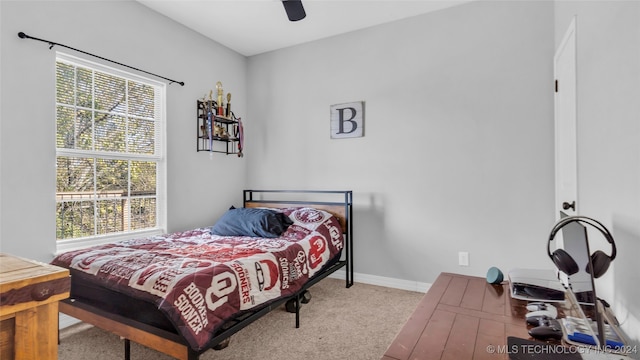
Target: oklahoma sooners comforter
x,y
199,279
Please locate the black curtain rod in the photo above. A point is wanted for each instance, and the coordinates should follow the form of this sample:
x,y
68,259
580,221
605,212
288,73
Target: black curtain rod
x,y
22,35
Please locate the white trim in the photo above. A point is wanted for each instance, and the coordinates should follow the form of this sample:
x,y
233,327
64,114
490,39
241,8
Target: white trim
x,y
65,321
77,60
107,155
79,243
385,281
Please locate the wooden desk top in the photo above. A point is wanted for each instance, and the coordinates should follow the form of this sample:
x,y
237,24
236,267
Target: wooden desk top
x,y
460,317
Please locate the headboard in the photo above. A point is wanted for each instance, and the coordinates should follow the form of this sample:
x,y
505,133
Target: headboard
x,y
338,203
341,209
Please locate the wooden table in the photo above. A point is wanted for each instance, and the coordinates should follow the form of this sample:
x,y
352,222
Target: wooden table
x,y
29,295
460,317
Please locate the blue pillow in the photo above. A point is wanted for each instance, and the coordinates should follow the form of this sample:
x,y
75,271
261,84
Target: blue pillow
x,y
251,222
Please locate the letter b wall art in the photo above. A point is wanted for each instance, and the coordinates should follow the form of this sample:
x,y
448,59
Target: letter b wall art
x,y
347,120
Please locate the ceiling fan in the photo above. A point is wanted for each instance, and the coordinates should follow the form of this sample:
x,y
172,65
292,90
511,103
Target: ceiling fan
x,y
294,9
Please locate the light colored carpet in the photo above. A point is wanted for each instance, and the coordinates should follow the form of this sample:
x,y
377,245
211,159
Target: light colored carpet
x,y
338,323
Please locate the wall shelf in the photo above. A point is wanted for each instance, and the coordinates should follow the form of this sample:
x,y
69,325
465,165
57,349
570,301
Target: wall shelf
x,y
216,133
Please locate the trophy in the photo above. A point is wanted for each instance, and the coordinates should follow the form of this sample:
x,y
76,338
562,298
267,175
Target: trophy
x,y
228,114
220,91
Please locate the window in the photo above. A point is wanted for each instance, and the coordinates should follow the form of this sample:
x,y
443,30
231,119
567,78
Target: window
x,y
109,153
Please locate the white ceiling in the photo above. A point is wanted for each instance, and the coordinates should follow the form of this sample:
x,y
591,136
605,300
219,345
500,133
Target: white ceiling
x,y
252,27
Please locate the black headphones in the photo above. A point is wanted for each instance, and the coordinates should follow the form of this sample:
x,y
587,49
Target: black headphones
x,y
599,260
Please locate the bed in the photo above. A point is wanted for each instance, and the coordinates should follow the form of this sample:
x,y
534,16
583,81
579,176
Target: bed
x,y
187,292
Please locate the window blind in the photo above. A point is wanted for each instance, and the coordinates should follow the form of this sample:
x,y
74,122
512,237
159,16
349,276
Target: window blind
x,y
109,151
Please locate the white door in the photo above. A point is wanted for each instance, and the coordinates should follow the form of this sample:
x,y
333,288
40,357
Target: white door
x,y
565,114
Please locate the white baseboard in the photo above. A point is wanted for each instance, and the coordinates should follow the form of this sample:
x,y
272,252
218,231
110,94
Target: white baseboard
x,y
66,320
384,281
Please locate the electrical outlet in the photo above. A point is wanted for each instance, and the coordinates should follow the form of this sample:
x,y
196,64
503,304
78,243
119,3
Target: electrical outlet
x,y
463,258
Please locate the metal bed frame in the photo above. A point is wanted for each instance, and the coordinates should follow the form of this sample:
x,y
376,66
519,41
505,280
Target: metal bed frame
x,y
174,344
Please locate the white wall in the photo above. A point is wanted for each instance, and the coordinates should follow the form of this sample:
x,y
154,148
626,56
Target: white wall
x,y
199,190
608,63
458,146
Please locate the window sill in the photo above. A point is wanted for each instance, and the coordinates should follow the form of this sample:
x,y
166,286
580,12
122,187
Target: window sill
x,y
76,244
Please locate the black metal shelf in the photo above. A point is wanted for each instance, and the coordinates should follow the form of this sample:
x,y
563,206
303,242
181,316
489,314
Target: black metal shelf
x,y
228,143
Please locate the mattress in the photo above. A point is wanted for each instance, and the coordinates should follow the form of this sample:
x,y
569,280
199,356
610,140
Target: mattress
x,y
192,282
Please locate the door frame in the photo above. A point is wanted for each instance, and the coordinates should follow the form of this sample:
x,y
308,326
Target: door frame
x,y
565,132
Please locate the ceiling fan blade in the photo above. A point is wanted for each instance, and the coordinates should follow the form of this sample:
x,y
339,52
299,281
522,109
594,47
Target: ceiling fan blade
x,y
294,9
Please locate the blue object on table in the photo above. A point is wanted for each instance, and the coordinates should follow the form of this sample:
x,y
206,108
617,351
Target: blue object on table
x,y
494,276
588,339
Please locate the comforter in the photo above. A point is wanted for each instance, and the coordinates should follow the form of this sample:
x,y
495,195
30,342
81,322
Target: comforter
x,y
199,280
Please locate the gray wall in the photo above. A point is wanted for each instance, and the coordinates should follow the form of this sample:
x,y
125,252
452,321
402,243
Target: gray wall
x,y
458,146
608,63
125,31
